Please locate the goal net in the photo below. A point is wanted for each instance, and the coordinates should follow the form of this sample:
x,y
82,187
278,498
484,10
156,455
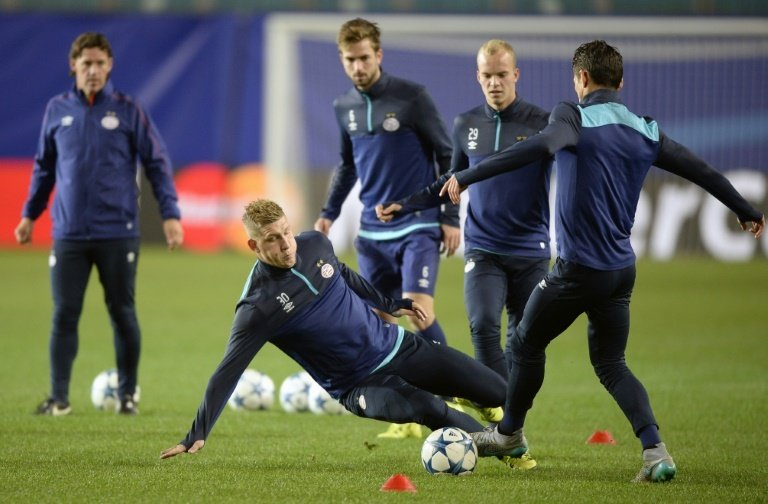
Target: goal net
x,y
702,79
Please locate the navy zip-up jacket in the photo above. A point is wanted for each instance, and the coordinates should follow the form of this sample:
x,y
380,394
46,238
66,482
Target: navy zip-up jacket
x,y
90,153
509,214
391,139
318,312
603,152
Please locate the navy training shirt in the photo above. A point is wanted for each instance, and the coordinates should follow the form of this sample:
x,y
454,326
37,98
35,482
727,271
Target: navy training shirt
x,y
91,154
603,152
392,140
318,312
509,214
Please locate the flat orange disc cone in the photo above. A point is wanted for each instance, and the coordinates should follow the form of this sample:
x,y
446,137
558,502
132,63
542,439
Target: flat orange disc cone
x,y
601,437
398,483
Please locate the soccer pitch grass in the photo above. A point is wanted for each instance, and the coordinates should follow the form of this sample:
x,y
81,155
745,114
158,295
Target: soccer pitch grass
x,y
698,343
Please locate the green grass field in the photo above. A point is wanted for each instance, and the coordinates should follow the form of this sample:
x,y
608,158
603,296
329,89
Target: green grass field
x,y
698,343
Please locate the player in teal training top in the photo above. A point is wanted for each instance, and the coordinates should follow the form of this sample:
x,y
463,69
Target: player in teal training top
x,y
603,152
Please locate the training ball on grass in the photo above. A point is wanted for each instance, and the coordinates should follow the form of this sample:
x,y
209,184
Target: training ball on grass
x,y
321,403
104,394
449,451
294,392
254,391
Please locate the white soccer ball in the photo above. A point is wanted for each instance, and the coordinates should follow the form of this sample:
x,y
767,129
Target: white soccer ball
x,y
449,451
104,391
321,402
254,391
294,392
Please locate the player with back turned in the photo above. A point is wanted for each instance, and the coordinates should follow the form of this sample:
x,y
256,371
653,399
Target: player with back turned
x,y
603,153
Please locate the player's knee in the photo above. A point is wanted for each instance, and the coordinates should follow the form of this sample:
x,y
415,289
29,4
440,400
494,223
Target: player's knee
x,y
610,373
65,318
486,324
486,337
521,351
123,316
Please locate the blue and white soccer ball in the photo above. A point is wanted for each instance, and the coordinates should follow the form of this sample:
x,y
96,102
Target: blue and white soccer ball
x,y
104,394
321,402
254,391
294,392
449,450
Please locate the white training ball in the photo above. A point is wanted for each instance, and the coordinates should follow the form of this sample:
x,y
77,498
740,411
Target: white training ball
x,y
104,395
321,402
254,391
449,450
294,392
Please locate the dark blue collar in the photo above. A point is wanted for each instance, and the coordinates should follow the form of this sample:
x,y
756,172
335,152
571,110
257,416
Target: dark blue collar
x,y
276,271
378,87
603,95
504,114
106,91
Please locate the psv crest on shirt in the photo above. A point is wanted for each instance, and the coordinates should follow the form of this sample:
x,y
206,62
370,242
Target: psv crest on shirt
x,y
110,121
391,123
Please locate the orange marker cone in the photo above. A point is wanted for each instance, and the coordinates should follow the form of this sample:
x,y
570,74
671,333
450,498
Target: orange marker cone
x,y
601,437
398,483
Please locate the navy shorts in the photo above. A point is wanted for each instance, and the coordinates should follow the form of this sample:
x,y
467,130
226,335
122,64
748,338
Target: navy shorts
x,y
407,264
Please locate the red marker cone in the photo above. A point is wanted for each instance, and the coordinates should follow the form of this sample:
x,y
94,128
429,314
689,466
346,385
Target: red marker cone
x,y
601,437
398,483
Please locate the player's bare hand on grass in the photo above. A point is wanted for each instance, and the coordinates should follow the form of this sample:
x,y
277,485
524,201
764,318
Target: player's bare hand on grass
x,y
180,448
453,189
754,227
415,311
387,211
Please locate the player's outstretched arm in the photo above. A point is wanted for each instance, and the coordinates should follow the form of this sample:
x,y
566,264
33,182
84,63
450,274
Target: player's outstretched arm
x,y
180,448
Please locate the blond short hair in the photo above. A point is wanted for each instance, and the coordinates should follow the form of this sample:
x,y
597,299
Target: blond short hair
x,y
260,213
494,46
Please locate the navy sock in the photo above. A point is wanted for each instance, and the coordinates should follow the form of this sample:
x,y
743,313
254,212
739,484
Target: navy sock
x,y
511,422
649,436
434,333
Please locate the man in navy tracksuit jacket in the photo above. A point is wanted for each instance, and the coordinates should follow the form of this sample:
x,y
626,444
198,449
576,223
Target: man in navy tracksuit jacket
x,y
506,230
603,152
393,141
91,142
302,299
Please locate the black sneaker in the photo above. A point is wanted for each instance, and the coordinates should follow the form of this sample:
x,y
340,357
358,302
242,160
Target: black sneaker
x,y
53,408
128,406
